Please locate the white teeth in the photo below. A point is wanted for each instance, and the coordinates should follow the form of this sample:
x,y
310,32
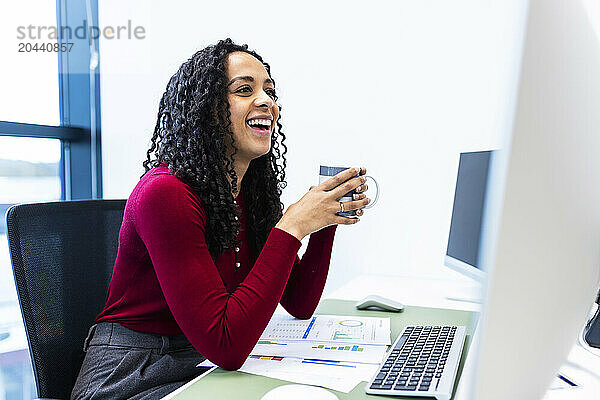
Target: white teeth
x,y
264,122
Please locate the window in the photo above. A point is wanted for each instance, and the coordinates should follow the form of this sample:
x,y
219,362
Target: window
x,y
49,146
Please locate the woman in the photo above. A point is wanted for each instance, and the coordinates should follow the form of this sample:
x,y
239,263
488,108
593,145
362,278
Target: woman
x,y
205,252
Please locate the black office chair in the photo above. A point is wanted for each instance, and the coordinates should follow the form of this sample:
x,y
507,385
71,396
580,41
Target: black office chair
x,y
62,255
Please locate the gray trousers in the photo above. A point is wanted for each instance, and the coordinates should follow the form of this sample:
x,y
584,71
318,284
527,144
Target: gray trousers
x,y
123,364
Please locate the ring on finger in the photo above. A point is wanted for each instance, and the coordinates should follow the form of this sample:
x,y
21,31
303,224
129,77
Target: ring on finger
x,y
341,207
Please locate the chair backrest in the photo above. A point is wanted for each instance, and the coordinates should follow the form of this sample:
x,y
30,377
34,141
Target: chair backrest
x,y
62,255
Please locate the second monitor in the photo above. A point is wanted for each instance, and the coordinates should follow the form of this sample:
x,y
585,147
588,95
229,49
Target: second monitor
x,y
462,253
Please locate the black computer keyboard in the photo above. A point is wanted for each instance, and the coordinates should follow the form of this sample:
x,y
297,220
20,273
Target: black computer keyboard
x,y
423,362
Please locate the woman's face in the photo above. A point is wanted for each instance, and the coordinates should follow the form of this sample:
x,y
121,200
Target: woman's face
x,y
250,94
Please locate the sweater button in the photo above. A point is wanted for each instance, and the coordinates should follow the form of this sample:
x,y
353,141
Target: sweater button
x,y
237,264
236,218
237,249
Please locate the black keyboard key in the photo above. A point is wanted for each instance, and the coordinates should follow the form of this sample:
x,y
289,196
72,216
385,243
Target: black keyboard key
x,y
381,375
423,388
401,342
438,375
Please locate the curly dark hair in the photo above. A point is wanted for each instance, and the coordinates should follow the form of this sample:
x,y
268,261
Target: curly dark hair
x,y
193,119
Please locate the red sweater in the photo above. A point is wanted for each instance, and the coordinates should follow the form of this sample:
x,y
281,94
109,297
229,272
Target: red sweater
x,y
165,281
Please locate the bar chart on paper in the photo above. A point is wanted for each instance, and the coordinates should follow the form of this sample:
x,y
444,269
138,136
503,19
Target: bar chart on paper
x,y
351,352
343,348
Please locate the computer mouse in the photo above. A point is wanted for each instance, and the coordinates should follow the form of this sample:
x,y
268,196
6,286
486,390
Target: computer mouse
x,y
299,392
378,303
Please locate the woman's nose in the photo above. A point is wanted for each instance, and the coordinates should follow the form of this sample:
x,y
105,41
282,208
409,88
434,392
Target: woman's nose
x,y
263,98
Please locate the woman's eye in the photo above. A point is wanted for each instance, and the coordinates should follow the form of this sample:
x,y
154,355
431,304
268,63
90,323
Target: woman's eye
x,y
247,89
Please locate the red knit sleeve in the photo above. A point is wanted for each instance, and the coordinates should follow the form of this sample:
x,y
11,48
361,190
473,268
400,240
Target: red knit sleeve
x,y
222,326
306,282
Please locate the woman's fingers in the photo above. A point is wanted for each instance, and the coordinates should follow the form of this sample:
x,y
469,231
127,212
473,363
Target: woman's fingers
x,y
348,186
362,188
346,221
340,178
356,205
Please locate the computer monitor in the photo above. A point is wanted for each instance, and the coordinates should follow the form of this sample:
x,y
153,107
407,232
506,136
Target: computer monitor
x,y
462,253
541,242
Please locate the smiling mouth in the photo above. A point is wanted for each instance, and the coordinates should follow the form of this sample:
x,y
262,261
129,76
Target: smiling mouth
x,y
260,127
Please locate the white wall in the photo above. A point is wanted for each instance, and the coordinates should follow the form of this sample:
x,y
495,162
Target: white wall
x,y
399,87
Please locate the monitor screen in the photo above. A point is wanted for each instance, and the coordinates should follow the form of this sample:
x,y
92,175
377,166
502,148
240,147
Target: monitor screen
x,y
467,212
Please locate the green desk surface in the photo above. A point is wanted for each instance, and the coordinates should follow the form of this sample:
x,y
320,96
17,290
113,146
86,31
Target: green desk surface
x,y
223,384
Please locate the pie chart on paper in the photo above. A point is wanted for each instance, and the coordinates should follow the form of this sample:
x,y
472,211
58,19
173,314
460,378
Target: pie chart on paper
x,y
351,323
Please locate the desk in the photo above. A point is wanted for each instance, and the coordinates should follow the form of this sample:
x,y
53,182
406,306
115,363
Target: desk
x,y
222,384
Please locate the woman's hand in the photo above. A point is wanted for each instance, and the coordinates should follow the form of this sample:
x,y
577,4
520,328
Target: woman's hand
x,y
317,209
